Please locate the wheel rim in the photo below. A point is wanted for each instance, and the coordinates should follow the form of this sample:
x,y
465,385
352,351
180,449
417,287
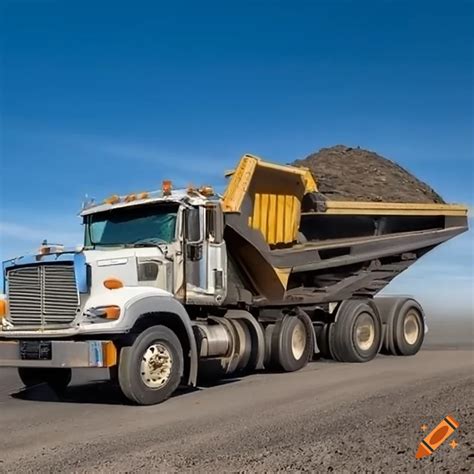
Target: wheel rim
x,y
365,332
411,328
298,340
155,368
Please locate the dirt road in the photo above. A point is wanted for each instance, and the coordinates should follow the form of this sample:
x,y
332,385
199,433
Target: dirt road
x,y
328,417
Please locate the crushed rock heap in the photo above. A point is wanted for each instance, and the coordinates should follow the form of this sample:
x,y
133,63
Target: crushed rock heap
x,y
345,173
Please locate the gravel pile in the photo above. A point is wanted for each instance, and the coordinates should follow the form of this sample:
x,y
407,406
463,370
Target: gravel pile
x,y
345,173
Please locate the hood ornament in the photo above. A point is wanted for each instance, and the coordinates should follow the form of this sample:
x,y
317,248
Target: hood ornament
x,y
46,249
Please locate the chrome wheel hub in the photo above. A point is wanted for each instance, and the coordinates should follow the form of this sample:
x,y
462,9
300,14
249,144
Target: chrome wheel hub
x,y
155,367
411,328
298,340
365,332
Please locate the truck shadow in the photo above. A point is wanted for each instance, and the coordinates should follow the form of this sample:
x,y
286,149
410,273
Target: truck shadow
x,y
102,392
99,392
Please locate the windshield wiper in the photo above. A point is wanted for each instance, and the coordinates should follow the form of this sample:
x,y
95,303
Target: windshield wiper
x,y
148,242
144,244
108,244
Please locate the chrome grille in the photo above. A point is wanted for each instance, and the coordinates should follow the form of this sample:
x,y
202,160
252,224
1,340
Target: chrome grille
x,y
42,295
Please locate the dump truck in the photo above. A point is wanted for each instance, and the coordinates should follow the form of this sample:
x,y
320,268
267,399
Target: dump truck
x,y
175,283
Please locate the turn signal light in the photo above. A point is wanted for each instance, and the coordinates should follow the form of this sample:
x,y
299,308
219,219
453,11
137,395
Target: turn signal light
x,y
3,308
113,283
111,312
104,312
110,354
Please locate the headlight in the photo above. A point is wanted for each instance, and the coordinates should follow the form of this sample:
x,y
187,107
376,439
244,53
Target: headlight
x,y
110,313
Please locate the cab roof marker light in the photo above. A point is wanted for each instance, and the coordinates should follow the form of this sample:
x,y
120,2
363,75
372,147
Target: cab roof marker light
x,y
114,199
166,187
131,197
206,191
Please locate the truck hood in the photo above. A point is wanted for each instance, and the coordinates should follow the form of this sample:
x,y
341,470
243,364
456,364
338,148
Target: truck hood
x,y
87,256
119,255
113,262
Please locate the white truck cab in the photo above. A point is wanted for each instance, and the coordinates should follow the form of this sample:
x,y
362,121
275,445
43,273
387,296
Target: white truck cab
x,y
142,254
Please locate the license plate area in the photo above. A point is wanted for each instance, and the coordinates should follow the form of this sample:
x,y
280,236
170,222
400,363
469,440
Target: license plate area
x,y
35,350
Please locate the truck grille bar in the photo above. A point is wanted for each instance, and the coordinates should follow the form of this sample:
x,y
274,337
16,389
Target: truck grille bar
x,y
42,295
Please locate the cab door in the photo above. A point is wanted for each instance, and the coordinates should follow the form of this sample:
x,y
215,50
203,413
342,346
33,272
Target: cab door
x,y
204,255
216,252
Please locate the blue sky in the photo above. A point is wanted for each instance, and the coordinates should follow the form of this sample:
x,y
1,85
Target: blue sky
x,y
105,97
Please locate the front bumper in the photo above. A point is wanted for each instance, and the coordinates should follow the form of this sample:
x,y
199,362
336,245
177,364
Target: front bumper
x,y
64,354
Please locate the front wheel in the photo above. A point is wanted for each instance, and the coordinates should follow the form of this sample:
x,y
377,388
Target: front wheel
x,y
150,370
58,379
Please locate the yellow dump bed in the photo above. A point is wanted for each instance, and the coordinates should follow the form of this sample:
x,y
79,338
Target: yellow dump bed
x,y
275,194
290,240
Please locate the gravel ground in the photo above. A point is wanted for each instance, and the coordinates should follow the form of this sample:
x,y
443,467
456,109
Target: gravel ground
x,y
330,417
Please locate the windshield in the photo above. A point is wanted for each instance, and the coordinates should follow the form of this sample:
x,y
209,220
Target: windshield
x,y
132,225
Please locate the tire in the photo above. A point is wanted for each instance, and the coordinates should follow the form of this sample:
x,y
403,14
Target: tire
x,y
387,307
408,328
322,337
356,334
140,380
404,325
291,342
58,379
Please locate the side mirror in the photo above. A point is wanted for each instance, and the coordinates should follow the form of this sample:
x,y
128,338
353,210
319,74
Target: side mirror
x,y
192,225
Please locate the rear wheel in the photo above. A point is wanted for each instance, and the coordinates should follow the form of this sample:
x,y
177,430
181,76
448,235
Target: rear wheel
x,y
404,325
150,370
58,379
408,329
355,336
291,343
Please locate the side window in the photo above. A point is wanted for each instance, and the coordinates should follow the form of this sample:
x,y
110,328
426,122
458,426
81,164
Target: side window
x,y
214,224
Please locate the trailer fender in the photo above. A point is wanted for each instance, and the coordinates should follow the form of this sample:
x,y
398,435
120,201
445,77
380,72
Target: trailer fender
x,y
157,306
310,326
